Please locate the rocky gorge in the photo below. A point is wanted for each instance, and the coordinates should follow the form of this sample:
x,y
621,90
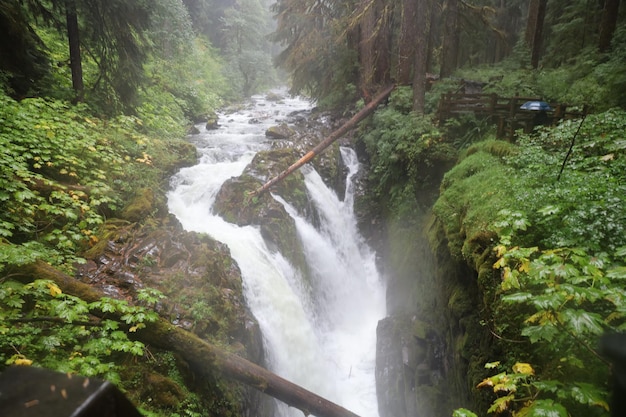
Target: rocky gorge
x,y
425,343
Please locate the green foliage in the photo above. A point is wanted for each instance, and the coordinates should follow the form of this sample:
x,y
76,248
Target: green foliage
x,y
462,412
186,85
42,326
590,79
402,147
316,53
571,298
584,209
246,26
63,170
560,262
56,169
467,129
521,392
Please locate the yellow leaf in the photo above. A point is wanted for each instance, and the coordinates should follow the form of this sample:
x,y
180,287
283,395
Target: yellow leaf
x,y
501,404
133,329
525,266
50,134
506,274
487,382
54,289
523,368
499,263
500,250
23,361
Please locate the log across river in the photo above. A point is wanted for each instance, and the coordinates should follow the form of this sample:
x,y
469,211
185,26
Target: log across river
x,y
319,335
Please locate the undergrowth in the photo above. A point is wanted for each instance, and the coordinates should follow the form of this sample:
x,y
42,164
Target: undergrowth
x,y
556,222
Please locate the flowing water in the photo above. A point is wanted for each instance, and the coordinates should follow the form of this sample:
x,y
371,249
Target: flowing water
x,y
321,335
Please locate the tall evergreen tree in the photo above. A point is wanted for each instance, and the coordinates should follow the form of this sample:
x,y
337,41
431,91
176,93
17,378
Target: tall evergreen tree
x,y
245,30
422,23
73,37
23,62
406,43
450,42
319,45
110,32
534,29
610,14
375,45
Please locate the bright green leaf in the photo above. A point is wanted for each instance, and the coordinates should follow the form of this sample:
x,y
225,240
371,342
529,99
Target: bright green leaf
x,y
462,412
543,408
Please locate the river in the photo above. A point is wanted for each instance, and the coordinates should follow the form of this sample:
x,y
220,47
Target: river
x,y
321,336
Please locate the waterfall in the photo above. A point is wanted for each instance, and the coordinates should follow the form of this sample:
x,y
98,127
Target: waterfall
x,y
321,335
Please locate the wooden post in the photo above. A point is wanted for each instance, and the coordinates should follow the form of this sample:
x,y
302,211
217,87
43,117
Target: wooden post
x,y
350,124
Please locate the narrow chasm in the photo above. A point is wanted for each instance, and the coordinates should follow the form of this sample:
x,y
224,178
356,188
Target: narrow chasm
x,y
431,333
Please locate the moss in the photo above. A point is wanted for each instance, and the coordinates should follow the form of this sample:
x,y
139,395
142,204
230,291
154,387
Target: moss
x,y
281,131
459,302
238,204
140,207
111,230
212,121
270,163
420,329
162,390
471,194
496,148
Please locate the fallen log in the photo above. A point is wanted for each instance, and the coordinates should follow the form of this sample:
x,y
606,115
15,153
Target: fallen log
x,y
203,356
350,124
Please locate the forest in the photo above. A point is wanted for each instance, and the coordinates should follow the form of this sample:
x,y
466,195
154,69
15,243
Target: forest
x,y
97,97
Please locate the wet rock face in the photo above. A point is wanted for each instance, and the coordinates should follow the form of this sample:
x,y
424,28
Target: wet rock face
x,y
202,285
237,203
204,295
409,367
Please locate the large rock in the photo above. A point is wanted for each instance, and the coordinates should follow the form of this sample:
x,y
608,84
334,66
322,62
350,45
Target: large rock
x,y
237,203
212,121
281,131
409,368
203,289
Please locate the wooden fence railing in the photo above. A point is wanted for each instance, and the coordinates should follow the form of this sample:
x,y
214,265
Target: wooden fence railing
x,y
504,111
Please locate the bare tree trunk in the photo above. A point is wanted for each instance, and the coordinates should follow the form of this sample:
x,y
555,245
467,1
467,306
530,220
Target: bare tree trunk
x,y
205,358
609,22
422,24
71,20
350,124
534,29
406,43
450,47
375,47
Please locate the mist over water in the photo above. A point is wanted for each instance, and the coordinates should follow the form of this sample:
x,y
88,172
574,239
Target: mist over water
x,y
320,335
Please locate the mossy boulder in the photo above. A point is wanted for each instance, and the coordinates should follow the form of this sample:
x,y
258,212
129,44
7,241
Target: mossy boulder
x,y
281,131
140,207
162,390
272,96
237,204
212,121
